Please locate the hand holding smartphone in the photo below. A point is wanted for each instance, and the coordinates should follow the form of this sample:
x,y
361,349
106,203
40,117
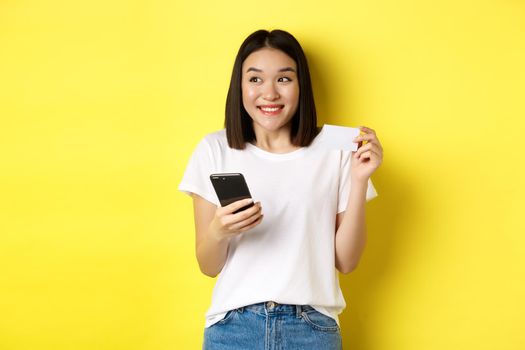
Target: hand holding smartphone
x,y
231,187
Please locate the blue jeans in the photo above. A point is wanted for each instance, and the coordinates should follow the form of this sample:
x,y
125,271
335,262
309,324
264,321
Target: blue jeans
x,y
272,326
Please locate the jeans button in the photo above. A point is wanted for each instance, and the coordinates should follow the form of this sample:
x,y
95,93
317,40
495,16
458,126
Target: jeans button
x,y
270,305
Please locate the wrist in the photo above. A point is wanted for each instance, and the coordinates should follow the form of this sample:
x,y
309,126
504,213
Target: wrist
x,y
215,236
358,188
359,182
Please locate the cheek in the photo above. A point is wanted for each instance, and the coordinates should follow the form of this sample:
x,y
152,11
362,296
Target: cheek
x,y
248,97
245,98
293,95
248,93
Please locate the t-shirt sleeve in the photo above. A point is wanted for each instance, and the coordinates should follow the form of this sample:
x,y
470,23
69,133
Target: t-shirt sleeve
x,y
345,184
196,178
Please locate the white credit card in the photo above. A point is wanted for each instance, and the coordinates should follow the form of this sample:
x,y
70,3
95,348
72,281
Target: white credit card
x,y
339,137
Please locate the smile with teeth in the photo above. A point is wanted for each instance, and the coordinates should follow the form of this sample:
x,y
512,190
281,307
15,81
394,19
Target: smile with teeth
x,y
270,109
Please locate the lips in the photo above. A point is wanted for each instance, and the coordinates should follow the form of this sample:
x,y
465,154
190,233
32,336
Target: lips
x,y
270,109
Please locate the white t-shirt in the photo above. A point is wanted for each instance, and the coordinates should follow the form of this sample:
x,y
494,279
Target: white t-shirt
x,y
289,258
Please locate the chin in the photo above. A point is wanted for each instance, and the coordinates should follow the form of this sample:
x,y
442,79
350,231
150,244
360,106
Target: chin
x,y
272,125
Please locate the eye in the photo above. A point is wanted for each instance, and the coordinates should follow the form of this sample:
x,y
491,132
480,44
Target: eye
x,y
284,79
254,79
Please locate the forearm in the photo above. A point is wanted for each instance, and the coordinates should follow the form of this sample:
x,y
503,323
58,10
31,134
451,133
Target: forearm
x,y
350,238
212,254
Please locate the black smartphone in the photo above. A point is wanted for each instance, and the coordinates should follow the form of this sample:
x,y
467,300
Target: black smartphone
x,y
231,187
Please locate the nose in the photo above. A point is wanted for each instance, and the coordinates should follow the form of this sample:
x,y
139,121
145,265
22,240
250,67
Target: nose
x,y
270,93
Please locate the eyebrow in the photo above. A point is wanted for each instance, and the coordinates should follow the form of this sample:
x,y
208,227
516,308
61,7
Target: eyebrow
x,y
285,69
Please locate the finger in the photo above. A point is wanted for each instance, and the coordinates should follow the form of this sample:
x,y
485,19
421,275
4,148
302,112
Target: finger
x,y
367,130
367,147
365,156
246,223
233,219
370,156
376,147
255,223
368,138
246,213
228,219
230,208
365,137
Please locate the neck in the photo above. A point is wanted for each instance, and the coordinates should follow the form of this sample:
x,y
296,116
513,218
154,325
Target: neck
x,y
277,141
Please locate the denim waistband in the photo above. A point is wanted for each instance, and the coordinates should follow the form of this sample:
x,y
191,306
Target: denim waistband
x,y
271,307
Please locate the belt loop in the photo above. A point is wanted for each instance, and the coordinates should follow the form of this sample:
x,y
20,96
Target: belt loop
x,y
298,310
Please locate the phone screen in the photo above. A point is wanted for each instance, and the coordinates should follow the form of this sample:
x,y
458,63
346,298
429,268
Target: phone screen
x,y
230,187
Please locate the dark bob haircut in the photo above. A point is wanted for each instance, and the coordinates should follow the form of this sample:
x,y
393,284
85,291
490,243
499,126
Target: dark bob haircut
x,y
238,124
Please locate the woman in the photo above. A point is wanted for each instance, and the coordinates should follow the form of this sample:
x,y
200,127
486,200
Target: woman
x,y
278,260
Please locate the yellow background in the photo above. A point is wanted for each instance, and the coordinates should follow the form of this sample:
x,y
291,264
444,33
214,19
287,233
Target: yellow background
x,y
102,103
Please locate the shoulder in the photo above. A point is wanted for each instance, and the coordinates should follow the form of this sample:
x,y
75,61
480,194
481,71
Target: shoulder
x,y
216,138
213,142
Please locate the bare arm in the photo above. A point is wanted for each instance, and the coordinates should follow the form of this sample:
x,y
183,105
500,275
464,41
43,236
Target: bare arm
x,y
215,226
350,235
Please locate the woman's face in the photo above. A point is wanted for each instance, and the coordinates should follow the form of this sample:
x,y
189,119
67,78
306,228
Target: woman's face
x,y
270,88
